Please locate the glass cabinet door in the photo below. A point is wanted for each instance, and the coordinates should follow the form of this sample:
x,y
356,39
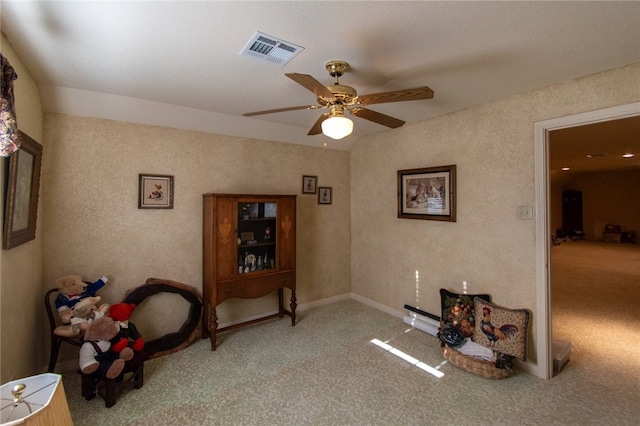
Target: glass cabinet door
x,y
256,237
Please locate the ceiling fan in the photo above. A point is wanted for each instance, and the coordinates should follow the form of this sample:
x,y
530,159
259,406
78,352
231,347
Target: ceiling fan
x,y
338,98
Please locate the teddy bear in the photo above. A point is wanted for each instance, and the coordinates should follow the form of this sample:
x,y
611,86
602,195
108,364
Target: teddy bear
x,y
96,355
129,336
71,290
84,312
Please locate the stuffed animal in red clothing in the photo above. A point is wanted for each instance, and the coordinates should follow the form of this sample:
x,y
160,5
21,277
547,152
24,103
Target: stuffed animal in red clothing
x,y
95,354
129,336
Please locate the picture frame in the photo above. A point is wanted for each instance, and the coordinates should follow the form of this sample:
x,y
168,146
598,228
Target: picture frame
x,y
253,210
270,209
309,184
155,191
23,186
325,195
427,193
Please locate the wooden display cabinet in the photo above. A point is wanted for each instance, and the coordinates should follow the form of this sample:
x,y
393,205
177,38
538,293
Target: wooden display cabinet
x,y
249,250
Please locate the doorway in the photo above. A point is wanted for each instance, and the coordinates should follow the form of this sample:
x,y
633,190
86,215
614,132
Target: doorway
x,y
543,227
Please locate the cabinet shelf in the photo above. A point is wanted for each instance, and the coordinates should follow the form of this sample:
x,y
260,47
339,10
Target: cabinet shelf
x,y
247,246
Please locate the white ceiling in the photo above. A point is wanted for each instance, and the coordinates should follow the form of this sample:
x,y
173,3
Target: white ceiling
x,y
177,63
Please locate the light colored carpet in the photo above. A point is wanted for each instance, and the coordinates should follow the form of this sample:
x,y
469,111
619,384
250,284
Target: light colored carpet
x,y
596,307
326,371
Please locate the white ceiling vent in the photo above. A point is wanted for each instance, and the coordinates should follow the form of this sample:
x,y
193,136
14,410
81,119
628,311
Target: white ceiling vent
x,y
270,49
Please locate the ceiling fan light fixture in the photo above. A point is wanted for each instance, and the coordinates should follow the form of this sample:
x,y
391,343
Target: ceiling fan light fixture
x,y
338,98
337,127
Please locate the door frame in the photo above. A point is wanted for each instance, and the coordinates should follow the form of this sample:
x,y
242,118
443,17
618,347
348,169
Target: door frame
x,y
544,350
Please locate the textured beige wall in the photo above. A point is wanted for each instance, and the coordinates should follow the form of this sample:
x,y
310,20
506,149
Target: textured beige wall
x,y
94,227
493,148
21,310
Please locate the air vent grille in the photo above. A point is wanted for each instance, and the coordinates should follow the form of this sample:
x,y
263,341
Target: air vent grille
x,y
270,49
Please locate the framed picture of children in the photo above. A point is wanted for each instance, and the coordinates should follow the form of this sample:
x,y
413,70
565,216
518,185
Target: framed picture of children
x,y
324,195
309,184
427,193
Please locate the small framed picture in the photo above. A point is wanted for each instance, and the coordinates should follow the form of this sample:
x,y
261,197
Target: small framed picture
x,y
309,184
155,192
324,195
253,210
270,209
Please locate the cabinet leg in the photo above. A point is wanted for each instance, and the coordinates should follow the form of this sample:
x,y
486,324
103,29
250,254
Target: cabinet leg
x,y
213,328
205,321
281,310
293,307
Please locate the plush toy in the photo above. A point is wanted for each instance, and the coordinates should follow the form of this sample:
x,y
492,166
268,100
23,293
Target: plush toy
x,y
71,290
129,336
95,353
84,312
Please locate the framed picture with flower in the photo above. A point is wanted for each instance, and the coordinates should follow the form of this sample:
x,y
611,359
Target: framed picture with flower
x,y
155,191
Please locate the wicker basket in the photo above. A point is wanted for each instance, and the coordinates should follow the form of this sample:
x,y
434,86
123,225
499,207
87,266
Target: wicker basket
x,y
486,369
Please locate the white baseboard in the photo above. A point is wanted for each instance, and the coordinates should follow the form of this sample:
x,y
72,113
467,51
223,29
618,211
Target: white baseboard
x,y
527,367
322,302
300,308
378,306
429,326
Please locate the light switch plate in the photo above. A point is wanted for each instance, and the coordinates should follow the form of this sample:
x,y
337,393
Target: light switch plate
x,y
525,212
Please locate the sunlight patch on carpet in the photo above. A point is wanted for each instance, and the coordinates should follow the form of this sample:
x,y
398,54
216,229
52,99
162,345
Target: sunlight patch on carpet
x,y
411,360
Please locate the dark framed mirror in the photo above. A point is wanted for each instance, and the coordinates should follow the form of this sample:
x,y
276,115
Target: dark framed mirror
x,y
23,185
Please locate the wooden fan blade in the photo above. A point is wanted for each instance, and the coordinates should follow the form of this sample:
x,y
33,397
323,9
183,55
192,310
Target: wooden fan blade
x,y
396,96
317,128
310,83
377,117
270,111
